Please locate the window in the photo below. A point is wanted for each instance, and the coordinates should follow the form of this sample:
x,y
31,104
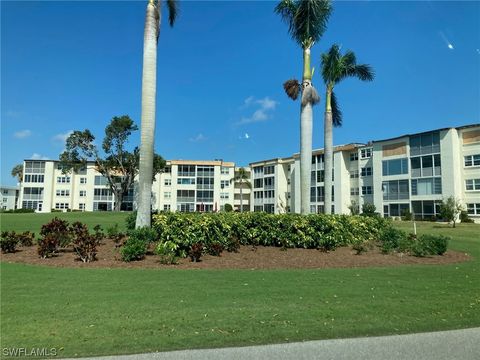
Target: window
x,y
83,180
186,196
269,182
224,183
429,165
366,153
205,196
63,192
354,156
167,195
367,190
32,193
317,194
102,195
63,180
269,208
395,190
167,182
395,167
258,183
425,209
428,186
5,192
354,191
224,195
425,144
34,178
353,174
206,183
472,184
258,170
5,200
186,170
395,209
258,194
167,170
61,206
166,207
81,206
83,193
205,171
472,160
34,167
224,170
270,194
101,180
367,171
186,181
269,170
473,209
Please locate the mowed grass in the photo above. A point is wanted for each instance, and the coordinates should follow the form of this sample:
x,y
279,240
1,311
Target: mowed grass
x,y
34,222
120,311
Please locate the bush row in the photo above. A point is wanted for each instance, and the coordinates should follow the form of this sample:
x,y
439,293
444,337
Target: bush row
x,y
229,230
10,240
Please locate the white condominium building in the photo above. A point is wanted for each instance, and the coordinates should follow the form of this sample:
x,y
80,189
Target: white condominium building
x,y
407,173
9,199
183,186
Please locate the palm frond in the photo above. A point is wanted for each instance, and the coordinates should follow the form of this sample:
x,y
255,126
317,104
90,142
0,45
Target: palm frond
x,y
292,88
330,64
310,20
364,72
287,9
172,6
337,115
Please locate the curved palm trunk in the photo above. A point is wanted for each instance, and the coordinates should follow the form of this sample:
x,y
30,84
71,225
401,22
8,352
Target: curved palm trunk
x,y
149,82
328,144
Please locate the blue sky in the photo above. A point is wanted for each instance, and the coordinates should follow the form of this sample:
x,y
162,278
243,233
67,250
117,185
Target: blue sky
x,y
74,65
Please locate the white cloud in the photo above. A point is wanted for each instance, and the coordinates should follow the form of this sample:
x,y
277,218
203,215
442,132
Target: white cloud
x,y
36,156
245,136
265,107
61,138
13,113
22,134
198,138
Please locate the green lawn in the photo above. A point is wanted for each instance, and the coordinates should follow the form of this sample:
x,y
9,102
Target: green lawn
x,y
121,311
33,222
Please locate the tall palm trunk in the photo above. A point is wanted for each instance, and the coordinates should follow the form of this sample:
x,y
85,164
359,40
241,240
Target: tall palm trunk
x,y
241,197
306,120
149,90
328,145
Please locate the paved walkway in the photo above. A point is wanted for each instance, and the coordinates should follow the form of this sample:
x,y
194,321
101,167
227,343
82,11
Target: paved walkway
x,y
444,345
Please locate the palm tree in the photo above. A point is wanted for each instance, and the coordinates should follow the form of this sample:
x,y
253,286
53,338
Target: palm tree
x,y
307,21
17,172
242,178
149,90
335,68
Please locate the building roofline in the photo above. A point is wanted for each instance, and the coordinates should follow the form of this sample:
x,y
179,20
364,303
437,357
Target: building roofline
x,y
429,131
9,187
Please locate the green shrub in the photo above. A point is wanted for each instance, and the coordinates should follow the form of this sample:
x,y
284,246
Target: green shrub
x,y
26,238
431,245
406,215
228,208
18,211
464,218
133,249
215,248
98,233
168,252
8,242
48,245
392,239
112,231
195,252
130,220
145,234
58,229
368,209
84,244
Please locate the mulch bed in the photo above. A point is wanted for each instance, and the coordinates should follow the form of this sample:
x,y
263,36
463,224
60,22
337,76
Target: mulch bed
x,y
247,258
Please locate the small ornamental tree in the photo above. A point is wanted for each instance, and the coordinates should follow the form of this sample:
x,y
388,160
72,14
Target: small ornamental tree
x,y
450,209
118,165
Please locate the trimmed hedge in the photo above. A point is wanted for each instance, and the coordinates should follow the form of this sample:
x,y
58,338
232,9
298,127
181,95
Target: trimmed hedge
x,y
325,232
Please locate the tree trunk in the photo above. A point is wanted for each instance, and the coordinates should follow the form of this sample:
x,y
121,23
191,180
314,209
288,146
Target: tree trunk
x,y
118,200
305,156
241,197
149,83
328,154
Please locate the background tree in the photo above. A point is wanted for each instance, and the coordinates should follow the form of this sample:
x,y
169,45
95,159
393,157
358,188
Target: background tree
x,y
117,164
450,209
17,172
149,92
242,179
307,21
335,68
